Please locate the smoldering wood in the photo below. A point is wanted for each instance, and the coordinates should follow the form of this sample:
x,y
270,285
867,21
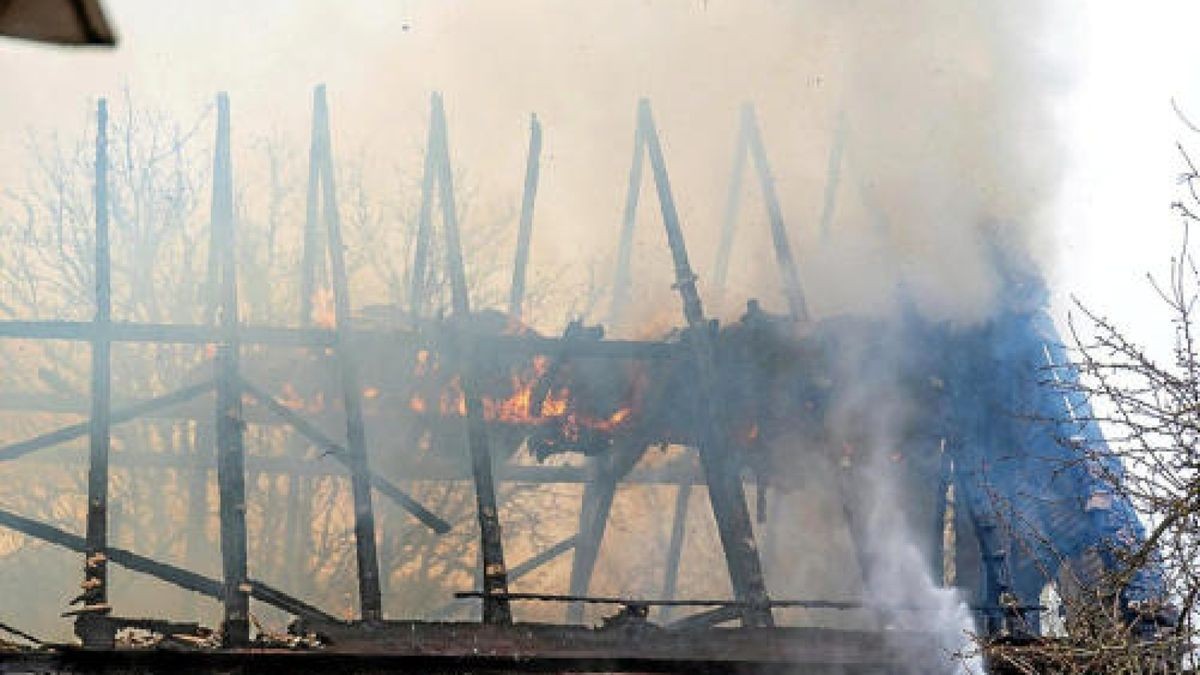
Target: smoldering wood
x,y
367,557
725,488
95,576
495,579
516,296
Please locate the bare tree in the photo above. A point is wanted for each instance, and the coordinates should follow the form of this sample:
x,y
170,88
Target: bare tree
x,y
1133,608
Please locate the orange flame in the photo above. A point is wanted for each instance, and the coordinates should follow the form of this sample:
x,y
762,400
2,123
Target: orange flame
x,y
323,314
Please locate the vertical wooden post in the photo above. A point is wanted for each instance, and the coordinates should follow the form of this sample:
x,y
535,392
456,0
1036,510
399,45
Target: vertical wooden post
x,y
313,254
517,292
369,592
95,574
622,278
797,307
722,473
495,576
231,462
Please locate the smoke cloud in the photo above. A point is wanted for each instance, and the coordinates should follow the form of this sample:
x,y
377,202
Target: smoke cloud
x,y
918,132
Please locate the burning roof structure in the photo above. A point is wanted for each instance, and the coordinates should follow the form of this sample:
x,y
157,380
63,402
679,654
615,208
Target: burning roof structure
x,y
741,410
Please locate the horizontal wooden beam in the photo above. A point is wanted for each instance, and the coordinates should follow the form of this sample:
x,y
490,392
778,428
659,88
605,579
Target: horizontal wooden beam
x,y
672,474
160,333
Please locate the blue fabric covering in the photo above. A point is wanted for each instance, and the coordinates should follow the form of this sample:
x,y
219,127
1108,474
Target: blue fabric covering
x,y
1028,456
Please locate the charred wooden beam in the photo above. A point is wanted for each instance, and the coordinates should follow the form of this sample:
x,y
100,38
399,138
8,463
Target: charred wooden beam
x,y
670,474
74,431
312,256
623,276
522,569
429,176
733,200
706,619
516,297
786,262
722,472
231,468
172,574
95,571
495,577
370,595
419,647
537,560
159,333
340,453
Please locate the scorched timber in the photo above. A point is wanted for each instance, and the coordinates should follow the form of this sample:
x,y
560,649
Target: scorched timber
x,y
416,647
162,333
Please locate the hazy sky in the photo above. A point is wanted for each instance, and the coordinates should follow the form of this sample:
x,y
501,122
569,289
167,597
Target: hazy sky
x,y
581,66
